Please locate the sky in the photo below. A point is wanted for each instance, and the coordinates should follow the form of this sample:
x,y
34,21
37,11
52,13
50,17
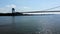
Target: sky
x,y
28,5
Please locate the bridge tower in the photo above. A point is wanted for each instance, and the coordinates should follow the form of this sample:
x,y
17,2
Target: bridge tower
x,y
13,10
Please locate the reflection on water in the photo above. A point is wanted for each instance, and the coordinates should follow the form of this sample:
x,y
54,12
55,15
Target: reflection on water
x,y
13,25
48,24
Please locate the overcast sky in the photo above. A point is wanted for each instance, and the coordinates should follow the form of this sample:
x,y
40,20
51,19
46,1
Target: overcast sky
x,y
27,5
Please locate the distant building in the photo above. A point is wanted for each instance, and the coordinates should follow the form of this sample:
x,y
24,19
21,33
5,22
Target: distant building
x,y
13,10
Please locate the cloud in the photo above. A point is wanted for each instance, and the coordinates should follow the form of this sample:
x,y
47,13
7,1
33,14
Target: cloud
x,y
7,8
11,6
24,9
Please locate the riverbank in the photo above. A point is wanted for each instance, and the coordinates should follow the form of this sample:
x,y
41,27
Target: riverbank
x,y
21,14
13,14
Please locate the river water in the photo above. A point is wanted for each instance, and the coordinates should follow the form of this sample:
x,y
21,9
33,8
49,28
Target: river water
x,y
44,24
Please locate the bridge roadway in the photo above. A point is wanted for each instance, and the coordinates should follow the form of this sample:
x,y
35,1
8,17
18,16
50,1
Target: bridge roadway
x,y
42,12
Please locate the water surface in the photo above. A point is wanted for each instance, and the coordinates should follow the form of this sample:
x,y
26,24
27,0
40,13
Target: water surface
x,y
45,24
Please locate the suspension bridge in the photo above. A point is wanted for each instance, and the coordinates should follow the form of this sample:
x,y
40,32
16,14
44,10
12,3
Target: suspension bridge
x,y
46,11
